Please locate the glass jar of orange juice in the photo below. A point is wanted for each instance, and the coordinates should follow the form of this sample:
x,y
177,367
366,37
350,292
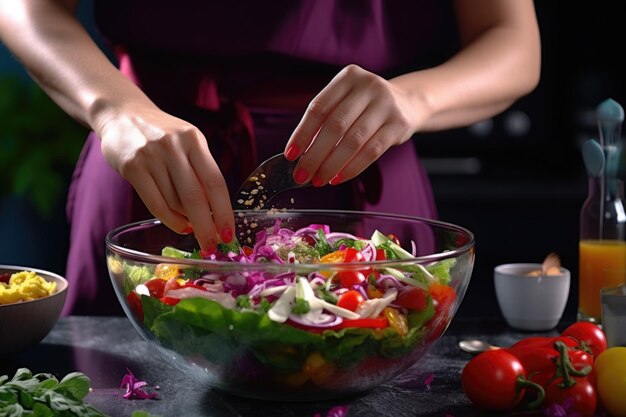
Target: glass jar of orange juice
x,y
602,246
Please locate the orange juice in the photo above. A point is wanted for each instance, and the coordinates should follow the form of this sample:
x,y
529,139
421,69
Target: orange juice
x,y
602,264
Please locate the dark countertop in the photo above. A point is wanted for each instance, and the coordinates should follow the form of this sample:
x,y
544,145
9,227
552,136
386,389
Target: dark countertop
x,y
104,347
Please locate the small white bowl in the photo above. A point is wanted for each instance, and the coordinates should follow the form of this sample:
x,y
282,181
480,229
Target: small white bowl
x,y
24,324
534,303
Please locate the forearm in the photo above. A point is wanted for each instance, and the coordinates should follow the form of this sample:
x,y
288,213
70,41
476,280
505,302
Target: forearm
x,y
60,55
496,67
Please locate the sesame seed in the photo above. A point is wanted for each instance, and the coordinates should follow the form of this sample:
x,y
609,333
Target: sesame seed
x,y
253,179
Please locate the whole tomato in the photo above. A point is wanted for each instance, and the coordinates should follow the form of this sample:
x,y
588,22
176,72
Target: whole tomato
x,y
610,367
578,398
496,380
588,333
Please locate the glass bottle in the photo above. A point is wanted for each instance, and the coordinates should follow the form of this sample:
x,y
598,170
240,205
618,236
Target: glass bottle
x,y
602,246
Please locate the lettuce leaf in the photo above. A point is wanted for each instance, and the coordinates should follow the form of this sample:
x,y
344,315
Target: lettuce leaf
x,y
223,336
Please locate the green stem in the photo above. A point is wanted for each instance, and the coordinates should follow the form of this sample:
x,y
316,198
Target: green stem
x,y
523,383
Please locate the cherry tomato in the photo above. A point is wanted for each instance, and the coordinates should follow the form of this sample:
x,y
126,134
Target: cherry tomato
x,y
171,301
353,255
156,286
610,367
134,302
579,398
348,279
247,250
381,255
412,298
588,333
496,380
540,360
393,238
309,240
545,341
350,300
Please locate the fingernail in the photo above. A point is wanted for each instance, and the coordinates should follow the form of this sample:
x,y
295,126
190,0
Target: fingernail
x,y
292,152
187,230
301,176
226,234
336,180
317,181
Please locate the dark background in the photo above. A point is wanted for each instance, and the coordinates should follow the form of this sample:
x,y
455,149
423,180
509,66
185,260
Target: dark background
x,y
516,181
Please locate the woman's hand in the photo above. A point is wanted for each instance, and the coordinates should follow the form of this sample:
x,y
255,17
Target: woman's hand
x,y
349,125
168,162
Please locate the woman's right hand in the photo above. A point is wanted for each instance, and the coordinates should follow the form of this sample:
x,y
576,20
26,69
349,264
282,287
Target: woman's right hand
x,y
168,162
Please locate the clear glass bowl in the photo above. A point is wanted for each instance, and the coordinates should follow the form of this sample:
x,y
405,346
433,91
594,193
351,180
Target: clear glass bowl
x,y
244,352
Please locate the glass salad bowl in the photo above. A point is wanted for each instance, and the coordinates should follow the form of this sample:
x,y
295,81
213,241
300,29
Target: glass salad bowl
x,y
303,305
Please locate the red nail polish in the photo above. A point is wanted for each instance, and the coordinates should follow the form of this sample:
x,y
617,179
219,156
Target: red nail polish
x,y
187,230
317,181
226,234
301,176
292,152
336,180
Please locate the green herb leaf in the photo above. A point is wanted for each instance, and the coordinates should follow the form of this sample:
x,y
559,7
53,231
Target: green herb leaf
x,y
322,247
75,385
300,306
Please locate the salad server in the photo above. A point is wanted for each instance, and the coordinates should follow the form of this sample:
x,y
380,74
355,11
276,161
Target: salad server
x,y
269,179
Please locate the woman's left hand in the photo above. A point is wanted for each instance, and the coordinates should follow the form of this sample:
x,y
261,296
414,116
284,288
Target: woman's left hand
x,y
349,125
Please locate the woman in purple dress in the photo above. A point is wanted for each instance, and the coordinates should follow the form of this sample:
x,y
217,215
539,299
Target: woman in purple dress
x,y
204,91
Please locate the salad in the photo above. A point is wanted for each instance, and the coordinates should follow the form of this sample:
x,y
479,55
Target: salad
x,y
300,328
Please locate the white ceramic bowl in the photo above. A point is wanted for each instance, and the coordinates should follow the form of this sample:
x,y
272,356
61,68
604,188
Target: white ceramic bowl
x,y
534,303
24,324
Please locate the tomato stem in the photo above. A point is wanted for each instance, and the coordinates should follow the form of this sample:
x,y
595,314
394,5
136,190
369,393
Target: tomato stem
x,y
565,367
523,383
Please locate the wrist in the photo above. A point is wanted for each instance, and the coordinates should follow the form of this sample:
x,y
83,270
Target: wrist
x,y
419,104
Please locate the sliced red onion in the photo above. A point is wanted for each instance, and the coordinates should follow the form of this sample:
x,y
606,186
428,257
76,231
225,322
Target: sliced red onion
x,y
360,289
413,248
335,236
317,281
314,275
211,276
388,281
285,275
223,298
326,320
369,252
256,290
340,291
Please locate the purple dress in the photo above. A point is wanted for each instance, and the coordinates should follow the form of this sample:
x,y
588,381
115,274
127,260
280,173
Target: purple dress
x,y
209,63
